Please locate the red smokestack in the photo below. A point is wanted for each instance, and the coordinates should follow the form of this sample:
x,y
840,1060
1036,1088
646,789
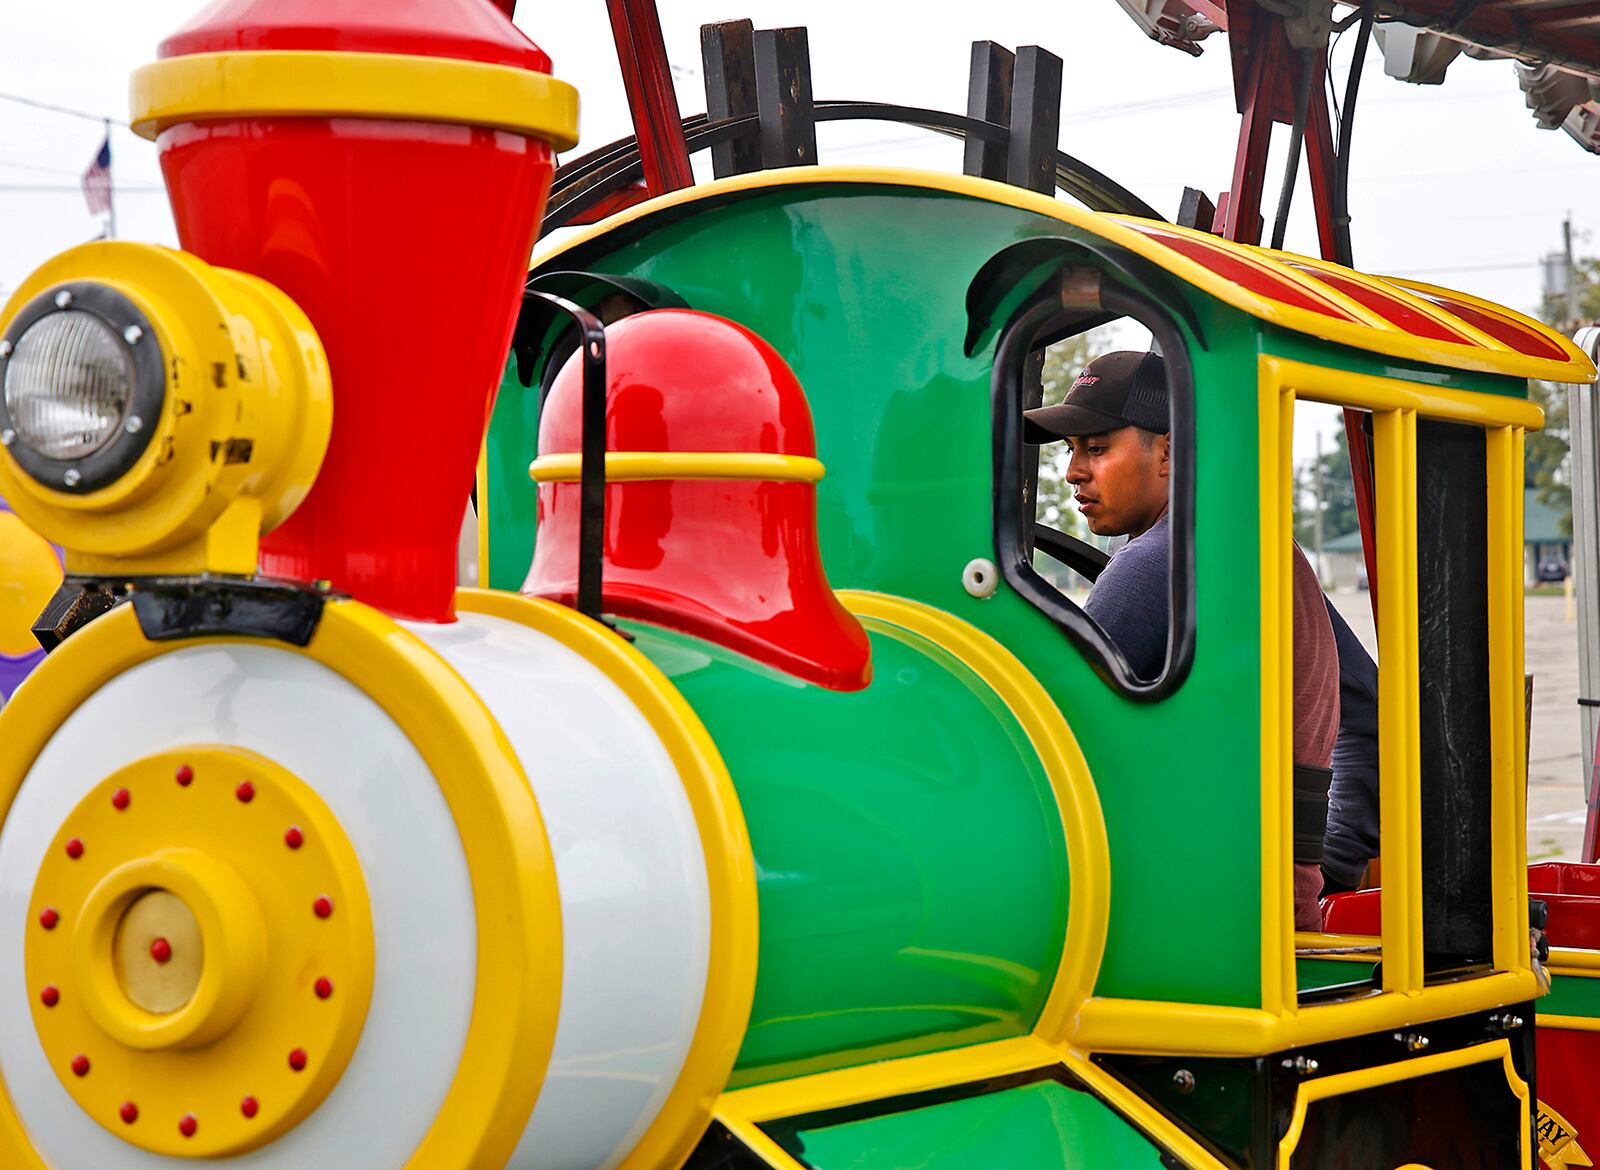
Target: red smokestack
x,y
386,166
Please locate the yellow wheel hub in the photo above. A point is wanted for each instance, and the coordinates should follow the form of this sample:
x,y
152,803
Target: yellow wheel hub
x,y
200,953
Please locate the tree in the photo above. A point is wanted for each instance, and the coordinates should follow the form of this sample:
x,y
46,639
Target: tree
x,y
1063,361
1545,466
1339,514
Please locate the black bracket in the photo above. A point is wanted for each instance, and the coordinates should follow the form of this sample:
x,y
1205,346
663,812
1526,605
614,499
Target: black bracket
x,y
170,608
592,476
75,603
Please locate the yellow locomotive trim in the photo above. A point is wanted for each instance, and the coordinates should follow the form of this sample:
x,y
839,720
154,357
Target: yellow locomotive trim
x,y
481,512
331,84
1508,790
1340,1084
628,466
1276,415
518,981
1077,803
1581,962
730,864
1156,1124
842,1087
1364,330
744,1110
1567,1023
207,1024
1197,1029
756,1139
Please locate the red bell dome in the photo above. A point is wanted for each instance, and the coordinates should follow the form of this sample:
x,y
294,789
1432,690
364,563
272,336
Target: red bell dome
x,y
711,500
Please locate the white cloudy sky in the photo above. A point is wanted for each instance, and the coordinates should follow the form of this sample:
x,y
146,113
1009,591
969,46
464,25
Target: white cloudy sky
x,y
1454,184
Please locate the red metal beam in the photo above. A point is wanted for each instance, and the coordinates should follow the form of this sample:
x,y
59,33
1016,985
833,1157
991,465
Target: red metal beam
x,y
647,77
1320,161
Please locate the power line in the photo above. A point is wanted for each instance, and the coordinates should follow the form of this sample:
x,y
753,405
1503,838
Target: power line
x,y
41,170
55,109
1501,267
59,188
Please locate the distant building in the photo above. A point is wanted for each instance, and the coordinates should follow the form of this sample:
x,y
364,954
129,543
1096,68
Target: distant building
x,y
1543,544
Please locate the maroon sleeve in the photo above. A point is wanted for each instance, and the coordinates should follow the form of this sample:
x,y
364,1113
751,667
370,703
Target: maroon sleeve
x,y
1316,670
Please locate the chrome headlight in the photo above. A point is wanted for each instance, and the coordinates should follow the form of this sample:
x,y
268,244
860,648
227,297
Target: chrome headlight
x,y
81,383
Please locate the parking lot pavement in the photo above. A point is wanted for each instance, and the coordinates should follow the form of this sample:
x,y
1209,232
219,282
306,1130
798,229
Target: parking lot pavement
x,y
1555,765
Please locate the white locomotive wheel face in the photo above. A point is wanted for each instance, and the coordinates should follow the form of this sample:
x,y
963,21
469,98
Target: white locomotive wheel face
x,y
332,736
630,866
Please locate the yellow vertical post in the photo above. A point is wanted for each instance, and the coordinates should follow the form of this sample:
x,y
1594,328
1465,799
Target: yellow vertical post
x,y
1276,416
482,475
1507,795
1399,753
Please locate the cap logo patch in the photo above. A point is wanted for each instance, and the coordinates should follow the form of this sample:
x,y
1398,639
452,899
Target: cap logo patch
x,y
1085,380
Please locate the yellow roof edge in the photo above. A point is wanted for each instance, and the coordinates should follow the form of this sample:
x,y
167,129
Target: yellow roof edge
x,y
1387,341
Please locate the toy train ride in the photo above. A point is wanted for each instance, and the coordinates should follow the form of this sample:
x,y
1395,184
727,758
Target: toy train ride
x,y
767,807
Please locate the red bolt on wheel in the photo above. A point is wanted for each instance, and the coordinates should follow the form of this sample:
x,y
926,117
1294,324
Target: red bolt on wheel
x,y
297,1060
188,1124
120,799
323,988
161,951
249,1107
80,1065
48,918
246,792
294,838
50,996
323,906
184,776
129,1113
74,849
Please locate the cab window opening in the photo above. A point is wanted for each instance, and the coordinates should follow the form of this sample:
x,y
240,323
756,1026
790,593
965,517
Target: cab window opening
x,y
1046,540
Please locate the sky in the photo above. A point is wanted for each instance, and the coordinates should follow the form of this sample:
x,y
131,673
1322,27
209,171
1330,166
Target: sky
x,y
1453,184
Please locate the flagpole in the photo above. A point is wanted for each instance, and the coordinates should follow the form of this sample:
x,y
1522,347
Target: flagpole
x,y
111,194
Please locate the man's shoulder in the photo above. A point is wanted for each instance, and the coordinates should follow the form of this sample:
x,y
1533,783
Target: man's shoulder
x,y
1145,553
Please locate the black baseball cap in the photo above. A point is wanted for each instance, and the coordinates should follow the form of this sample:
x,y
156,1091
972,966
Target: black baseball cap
x,y
1121,389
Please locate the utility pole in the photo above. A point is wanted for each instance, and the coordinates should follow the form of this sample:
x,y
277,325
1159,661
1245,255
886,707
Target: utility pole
x,y
1572,276
111,205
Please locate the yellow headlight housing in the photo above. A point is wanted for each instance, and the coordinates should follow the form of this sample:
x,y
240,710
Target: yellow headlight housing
x,y
157,414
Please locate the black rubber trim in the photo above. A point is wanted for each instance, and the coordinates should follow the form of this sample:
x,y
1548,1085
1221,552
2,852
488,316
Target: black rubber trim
x,y
1078,555
173,608
586,181
1007,276
111,462
1310,812
1012,552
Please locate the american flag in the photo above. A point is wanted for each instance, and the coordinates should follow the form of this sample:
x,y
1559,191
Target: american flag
x,y
97,180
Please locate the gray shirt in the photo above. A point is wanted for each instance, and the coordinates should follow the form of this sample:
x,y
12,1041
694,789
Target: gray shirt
x,y
1129,600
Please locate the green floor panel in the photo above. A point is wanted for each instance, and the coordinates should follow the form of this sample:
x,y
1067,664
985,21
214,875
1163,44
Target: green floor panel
x,y
1041,1126
1314,974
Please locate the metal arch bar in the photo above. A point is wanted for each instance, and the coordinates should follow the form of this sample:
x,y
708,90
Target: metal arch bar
x,y
592,481
584,182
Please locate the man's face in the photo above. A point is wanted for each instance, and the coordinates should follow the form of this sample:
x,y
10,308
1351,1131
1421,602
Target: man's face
x,y
1119,479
